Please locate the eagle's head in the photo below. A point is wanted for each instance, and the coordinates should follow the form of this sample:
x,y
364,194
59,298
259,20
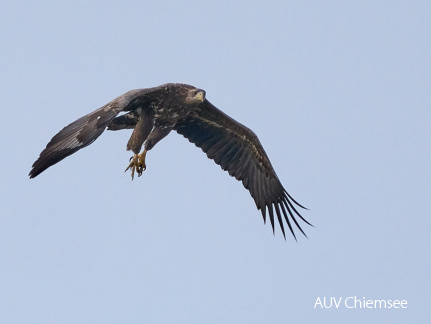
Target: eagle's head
x,y
195,96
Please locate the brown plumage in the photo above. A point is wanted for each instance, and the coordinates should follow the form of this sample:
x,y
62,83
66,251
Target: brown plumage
x,y
152,113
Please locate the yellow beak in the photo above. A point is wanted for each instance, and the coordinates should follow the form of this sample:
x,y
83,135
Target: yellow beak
x,y
200,95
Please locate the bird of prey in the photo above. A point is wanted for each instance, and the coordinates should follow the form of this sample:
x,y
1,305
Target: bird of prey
x,y
153,113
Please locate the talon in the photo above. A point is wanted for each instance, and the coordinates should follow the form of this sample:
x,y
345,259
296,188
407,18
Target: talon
x,y
142,159
137,163
132,165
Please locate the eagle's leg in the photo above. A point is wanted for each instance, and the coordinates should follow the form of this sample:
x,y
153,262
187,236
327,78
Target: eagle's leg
x,y
137,164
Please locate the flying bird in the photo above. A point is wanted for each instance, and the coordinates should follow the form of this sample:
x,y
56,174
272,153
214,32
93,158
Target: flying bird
x,y
153,113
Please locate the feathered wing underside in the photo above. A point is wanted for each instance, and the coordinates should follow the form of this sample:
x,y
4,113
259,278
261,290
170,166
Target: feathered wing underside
x,y
238,151
87,129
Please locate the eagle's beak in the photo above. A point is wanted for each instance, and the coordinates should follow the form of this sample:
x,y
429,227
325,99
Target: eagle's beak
x,y
200,95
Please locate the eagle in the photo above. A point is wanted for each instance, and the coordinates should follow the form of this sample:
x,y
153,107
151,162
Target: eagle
x,y
153,113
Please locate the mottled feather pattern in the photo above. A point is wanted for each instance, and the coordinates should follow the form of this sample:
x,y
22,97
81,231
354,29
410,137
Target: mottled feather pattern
x,y
126,121
153,112
238,151
86,129
72,138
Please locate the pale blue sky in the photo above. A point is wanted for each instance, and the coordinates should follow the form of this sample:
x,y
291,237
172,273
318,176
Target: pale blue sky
x,y
339,95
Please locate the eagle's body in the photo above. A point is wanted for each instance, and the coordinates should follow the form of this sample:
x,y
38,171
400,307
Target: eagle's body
x,y
152,113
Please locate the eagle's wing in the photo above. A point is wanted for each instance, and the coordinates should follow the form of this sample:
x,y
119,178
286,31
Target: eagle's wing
x,y
238,151
88,128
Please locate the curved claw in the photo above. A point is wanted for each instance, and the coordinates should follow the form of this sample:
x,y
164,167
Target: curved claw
x,y
132,165
137,163
140,168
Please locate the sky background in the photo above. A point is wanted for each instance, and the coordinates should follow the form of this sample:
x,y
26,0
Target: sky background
x,y
339,95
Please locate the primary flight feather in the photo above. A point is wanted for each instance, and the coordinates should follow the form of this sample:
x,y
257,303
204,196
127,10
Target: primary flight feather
x,y
152,113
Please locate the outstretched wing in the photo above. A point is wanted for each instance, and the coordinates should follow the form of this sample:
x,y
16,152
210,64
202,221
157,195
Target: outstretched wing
x,y
238,151
88,128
